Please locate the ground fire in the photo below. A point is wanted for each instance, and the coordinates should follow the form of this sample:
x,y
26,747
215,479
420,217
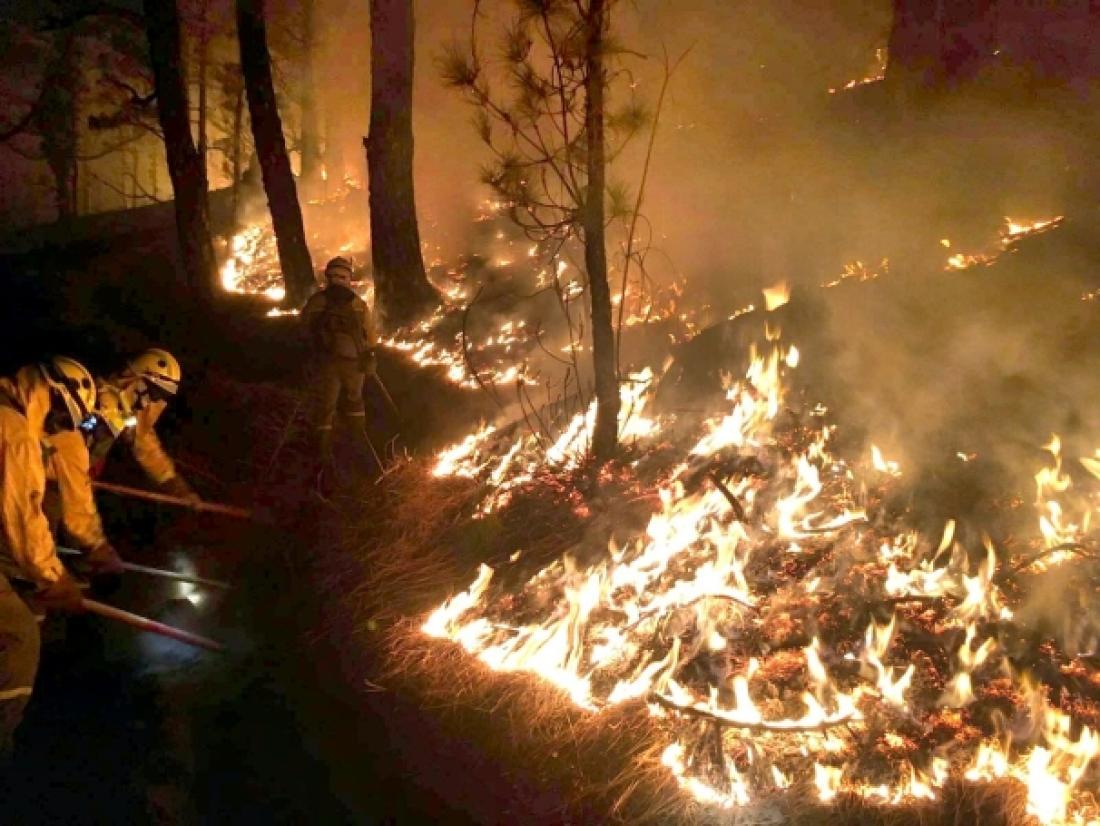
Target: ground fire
x,y
778,615
550,411
735,615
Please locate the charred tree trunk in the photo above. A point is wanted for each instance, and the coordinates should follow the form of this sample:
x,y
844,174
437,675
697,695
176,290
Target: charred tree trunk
x,y
267,133
605,434
400,281
311,143
185,166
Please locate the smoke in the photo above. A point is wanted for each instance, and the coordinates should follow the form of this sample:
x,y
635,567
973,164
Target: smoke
x,y
761,175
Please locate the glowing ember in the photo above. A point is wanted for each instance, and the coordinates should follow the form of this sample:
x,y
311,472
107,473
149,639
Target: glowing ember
x,y
859,272
877,75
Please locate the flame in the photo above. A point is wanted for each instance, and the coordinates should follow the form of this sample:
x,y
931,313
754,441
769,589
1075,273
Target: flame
x,y
776,296
876,75
691,566
1011,232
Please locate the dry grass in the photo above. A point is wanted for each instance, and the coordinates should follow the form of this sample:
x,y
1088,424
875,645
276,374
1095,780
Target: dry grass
x,y
399,555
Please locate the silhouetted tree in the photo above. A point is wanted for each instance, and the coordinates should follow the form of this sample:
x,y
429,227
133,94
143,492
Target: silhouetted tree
x,y
401,284
57,122
310,144
185,165
267,133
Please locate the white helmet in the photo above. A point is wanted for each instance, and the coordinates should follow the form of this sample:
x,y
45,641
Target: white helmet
x,y
72,384
158,367
113,409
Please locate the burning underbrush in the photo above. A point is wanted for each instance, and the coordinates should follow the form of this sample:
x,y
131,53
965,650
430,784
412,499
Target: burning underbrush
x,y
747,607
748,614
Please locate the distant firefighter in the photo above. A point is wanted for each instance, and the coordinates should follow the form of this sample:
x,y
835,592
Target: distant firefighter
x,y
342,337
42,399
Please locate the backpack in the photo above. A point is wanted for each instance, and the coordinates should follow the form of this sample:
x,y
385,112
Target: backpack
x,y
338,328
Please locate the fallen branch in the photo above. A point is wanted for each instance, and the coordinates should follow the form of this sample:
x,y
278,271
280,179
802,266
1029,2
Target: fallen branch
x,y
1072,547
775,726
738,511
921,598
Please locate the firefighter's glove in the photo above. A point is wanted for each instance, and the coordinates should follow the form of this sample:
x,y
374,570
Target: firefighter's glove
x,y
103,560
368,362
177,486
62,596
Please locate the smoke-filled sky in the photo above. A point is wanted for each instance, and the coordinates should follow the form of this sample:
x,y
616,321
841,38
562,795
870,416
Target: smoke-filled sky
x,y
755,73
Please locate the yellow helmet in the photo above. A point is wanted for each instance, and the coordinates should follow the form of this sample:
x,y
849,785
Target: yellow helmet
x,y
72,385
112,408
158,367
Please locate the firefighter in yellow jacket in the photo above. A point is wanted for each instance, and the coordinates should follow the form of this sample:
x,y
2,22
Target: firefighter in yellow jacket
x,y
146,385
340,330
40,399
70,467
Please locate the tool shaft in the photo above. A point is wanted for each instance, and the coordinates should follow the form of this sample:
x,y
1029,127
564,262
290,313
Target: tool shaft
x,y
153,496
152,626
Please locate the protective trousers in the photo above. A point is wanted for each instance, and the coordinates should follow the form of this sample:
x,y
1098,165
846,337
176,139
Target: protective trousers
x,y
19,648
339,387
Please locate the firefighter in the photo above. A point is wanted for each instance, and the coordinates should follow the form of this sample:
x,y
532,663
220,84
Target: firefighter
x,y
70,465
342,337
146,385
48,398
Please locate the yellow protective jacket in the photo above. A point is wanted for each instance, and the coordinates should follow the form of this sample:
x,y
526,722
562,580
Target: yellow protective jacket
x,y
338,323
69,465
28,546
158,466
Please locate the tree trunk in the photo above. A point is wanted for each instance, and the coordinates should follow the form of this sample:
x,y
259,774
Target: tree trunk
x,y
311,144
204,62
185,166
235,153
605,436
267,133
400,282
334,155
57,124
